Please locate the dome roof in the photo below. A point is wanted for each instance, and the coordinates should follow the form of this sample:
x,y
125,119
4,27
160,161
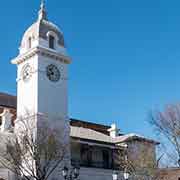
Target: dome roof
x,y
41,28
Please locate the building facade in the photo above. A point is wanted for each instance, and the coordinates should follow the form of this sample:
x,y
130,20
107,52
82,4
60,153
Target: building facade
x,y
169,174
98,149
42,75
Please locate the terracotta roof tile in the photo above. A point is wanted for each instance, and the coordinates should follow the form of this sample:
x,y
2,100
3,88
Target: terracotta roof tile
x,y
7,100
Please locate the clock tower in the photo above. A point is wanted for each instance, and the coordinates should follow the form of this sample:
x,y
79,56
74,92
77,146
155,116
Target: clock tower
x,y
42,75
42,70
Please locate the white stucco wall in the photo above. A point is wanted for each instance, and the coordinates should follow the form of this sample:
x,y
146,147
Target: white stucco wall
x,y
6,174
52,96
39,94
27,91
96,174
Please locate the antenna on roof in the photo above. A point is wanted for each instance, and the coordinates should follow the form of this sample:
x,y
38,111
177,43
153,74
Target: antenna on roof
x,y
42,4
42,11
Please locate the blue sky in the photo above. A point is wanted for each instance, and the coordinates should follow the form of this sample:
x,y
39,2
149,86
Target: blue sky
x,y
126,55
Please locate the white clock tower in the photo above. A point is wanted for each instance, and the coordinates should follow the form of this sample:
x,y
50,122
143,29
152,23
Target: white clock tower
x,y
42,75
42,70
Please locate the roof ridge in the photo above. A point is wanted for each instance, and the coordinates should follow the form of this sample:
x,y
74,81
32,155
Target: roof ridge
x,y
4,93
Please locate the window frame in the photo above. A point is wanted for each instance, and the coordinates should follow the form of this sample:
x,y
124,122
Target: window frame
x,y
29,42
52,41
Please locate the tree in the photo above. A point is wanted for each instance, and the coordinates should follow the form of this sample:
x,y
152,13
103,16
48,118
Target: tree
x,y
148,171
34,153
139,162
167,124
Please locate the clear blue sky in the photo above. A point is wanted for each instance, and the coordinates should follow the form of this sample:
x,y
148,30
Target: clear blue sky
x,y
126,55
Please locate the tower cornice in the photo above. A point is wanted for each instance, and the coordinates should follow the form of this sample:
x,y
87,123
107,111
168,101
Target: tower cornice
x,y
43,52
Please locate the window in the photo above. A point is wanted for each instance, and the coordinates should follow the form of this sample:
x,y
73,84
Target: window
x,y
105,159
29,42
86,155
51,42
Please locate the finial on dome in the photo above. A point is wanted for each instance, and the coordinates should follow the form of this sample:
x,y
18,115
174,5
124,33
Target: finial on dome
x,y
42,11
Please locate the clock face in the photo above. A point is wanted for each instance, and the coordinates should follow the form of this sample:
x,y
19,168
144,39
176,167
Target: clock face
x,y
27,72
53,73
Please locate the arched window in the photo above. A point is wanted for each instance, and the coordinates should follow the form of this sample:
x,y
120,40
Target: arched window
x,y
29,42
51,41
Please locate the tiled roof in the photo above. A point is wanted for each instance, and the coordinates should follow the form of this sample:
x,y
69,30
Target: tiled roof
x,y
90,125
132,136
89,134
7,100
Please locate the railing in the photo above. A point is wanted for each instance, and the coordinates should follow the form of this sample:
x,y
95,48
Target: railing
x,y
91,164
